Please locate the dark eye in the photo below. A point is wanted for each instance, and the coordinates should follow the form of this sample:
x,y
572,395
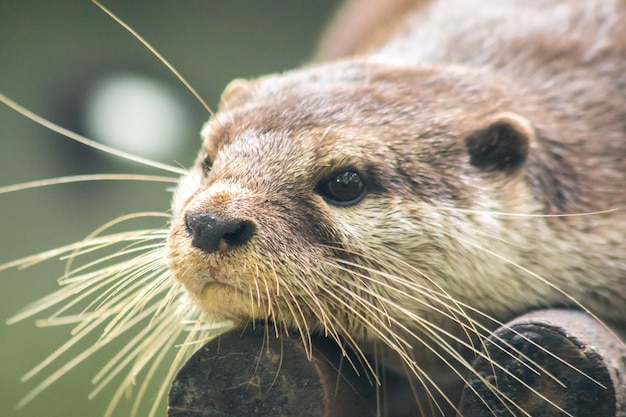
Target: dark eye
x,y
343,189
206,163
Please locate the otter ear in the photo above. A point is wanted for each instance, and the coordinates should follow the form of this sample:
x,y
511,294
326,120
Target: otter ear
x,y
502,144
235,93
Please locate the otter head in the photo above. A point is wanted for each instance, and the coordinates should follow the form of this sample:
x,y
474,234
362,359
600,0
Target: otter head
x,y
350,198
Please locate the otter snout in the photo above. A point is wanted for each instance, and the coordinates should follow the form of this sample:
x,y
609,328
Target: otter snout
x,y
211,232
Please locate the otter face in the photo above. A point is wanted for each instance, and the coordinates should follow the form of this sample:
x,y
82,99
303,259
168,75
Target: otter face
x,y
332,198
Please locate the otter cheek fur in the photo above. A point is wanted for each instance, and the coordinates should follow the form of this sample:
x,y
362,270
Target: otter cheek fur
x,y
408,200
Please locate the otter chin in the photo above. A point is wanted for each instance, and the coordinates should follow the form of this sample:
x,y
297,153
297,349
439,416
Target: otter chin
x,y
418,194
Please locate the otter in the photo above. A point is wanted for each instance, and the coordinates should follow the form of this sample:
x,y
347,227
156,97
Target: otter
x,y
444,167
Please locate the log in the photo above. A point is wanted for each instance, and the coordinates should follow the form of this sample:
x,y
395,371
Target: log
x,y
551,363
256,373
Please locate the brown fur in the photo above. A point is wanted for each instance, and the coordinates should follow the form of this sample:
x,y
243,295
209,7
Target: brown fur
x,y
440,232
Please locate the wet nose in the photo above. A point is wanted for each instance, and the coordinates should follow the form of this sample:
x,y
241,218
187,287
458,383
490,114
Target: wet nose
x,y
212,233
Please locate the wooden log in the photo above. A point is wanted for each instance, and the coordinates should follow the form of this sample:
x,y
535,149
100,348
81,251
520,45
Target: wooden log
x,y
255,373
549,363
545,363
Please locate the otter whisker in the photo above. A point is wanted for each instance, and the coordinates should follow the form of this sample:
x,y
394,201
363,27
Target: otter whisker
x,y
433,333
530,215
163,349
334,329
118,362
118,306
280,364
454,308
371,374
510,349
501,239
562,292
436,329
429,294
303,327
441,343
410,374
125,279
85,141
267,289
319,310
315,307
67,292
156,54
360,316
78,291
92,324
379,388
87,286
128,353
255,279
406,357
144,353
85,273
120,317
132,247
117,274
111,331
84,178
159,341
139,300
411,285
174,293
160,234
506,348
70,364
44,256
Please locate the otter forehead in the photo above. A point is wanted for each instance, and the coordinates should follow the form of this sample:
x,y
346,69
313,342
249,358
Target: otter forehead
x,y
364,96
316,118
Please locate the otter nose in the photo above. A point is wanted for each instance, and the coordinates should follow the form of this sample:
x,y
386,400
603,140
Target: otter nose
x,y
211,232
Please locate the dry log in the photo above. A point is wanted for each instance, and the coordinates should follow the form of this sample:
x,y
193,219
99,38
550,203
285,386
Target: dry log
x,y
545,363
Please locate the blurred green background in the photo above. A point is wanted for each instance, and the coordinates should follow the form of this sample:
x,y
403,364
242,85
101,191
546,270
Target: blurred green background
x,y
52,55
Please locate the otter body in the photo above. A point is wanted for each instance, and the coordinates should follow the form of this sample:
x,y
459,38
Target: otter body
x,y
454,164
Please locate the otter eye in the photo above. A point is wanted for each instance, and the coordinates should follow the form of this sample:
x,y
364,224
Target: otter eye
x,y
206,163
343,189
